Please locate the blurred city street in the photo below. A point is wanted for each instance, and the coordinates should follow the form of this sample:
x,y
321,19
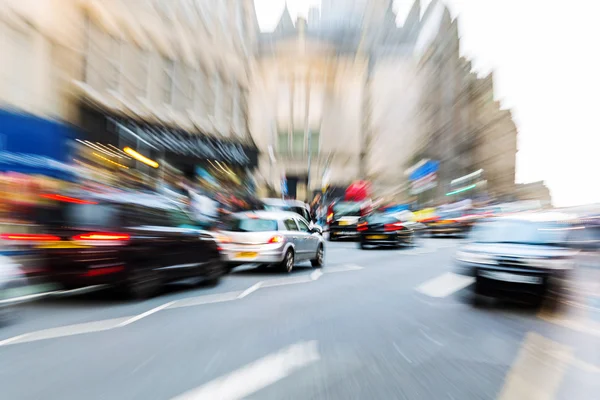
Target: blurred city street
x,y
387,324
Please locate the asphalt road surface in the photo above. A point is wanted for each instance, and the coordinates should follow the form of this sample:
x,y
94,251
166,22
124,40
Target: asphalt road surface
x,y
371,324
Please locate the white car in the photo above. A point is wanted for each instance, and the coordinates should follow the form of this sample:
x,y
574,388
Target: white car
x,y
270,237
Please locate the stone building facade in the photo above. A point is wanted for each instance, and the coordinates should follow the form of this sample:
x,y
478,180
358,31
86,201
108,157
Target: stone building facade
x,y
183,64
464,127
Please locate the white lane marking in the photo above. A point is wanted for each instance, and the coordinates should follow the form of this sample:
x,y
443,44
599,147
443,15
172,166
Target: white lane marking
x,y
445,284
13,339
538,370
257,375
69,330
287,281
206,299
342,268
52,293
86,289
401,353
316,274
251,289
145,314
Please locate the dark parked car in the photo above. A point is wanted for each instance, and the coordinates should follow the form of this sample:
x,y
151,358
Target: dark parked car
x,y
134,243
525,255
382,229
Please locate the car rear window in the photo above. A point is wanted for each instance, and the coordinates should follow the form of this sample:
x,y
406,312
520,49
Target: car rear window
x,y
78,215
378,218
520,232
250,225
347,209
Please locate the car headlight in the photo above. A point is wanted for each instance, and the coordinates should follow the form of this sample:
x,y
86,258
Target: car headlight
x,y
551,263
475,258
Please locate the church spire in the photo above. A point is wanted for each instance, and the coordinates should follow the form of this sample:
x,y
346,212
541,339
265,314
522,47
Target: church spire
x,y
285,23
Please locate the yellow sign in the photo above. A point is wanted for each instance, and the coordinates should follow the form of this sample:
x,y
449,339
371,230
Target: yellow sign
x,y
247,254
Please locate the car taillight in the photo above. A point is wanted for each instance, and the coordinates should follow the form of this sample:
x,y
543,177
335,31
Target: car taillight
x,y
276,239
29,237
223,239
361,227
329,217
102,237
393,227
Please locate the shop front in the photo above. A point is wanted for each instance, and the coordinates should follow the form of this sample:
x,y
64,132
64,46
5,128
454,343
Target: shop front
x,y
162,154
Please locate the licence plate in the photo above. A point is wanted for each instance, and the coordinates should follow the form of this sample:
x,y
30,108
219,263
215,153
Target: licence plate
x,y
507,277
61,245
246,254
377,237
344,223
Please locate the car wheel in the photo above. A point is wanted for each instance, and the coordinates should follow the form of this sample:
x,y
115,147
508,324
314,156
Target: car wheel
x,y
288,261
332,237
319,260
142,283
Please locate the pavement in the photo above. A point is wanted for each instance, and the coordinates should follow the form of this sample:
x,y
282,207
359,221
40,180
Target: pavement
x,y
370,324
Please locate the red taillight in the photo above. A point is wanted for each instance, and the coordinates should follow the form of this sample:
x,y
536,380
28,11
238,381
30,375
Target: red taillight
x,y
361,227
329,217
67,199
104,271
102,236
29,237
276,239
396,226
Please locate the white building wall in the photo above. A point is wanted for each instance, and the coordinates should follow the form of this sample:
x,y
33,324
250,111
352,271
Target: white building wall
x,y
395,122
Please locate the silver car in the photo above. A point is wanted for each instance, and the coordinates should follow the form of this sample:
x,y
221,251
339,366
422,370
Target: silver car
x,y
270,237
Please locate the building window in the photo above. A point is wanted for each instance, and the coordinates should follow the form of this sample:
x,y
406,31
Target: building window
x,y
200,81
114,63
283,142
168,72
217,97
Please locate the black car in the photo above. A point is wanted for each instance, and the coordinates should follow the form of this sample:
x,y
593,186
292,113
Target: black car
x,y
343,219
518,257
134,243
380,229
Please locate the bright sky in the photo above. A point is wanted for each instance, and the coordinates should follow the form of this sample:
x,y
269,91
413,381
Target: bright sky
x,y
546,60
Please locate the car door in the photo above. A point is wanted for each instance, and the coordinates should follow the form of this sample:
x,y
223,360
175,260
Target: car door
x,y
308,240
293,235
155,244
194,250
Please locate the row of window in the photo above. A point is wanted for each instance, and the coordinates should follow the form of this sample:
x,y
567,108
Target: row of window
x,y
135,73
297,143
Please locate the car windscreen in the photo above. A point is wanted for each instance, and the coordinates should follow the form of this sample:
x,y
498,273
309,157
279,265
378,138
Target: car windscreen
x,y
78,215
380,218
346,209
519,232
249,225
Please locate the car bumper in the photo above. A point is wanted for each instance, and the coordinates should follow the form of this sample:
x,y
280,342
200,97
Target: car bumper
x,y
384,238
499,281
260,254
343,232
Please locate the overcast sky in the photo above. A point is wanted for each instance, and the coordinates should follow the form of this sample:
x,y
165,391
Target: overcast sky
x,y
545,55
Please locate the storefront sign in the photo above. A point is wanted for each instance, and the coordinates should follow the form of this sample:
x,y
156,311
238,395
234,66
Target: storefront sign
x,y
186,144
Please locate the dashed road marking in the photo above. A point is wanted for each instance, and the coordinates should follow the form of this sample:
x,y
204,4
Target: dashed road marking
x,y
445,284
257,375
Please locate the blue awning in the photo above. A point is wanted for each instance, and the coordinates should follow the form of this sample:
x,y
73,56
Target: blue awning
x,y
34,145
